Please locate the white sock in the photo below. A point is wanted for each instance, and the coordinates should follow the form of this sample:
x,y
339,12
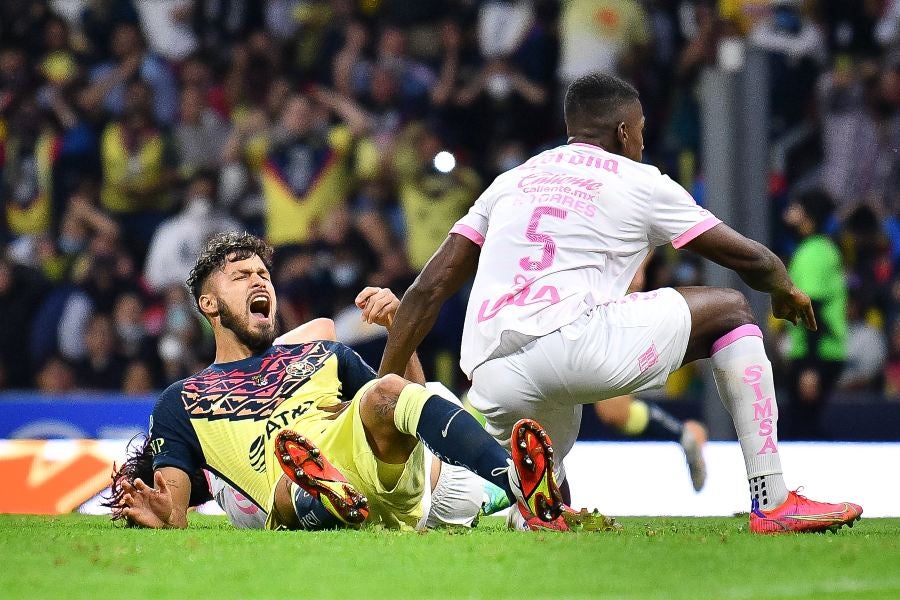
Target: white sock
x,y
744,377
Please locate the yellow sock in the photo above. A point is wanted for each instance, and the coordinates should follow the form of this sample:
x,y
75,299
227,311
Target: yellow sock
x,y
409,408
638,418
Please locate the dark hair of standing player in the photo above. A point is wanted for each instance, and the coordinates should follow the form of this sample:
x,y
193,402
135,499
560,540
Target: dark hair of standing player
x,y
605,111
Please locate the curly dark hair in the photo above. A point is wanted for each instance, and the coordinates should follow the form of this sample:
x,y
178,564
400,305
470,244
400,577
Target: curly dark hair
x,y
226,247
139,465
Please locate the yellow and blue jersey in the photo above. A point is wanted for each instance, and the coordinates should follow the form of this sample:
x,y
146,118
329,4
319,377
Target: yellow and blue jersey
x,y
302,183
225,418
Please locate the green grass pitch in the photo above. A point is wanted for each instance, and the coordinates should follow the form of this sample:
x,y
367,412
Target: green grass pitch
x,y
78,556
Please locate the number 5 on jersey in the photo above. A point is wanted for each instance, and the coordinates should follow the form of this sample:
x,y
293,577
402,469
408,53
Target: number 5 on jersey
x,y
549,250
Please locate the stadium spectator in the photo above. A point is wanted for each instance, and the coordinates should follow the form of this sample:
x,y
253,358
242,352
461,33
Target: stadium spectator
x,y
21,291
391,61
183,345
131,329
103,365
138,379
55,376
180,238
434,190
796,52
138,162
131,60
305,174
602,35
213,81
27,173
200,133
99,21
817,357
168,28
867,349
502,103
861,128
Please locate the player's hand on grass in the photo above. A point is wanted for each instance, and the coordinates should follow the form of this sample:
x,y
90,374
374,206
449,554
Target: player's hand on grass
x,y
146,506
794,306
378,305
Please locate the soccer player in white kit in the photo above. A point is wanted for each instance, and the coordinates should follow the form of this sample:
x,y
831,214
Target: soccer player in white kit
x,y
553,245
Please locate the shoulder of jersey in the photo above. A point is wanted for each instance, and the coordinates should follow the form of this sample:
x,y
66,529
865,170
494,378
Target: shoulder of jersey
x,y
173,391
642,168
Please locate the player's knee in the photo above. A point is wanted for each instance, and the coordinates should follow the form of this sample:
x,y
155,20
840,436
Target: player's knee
x,y
379,402
737,309
392,384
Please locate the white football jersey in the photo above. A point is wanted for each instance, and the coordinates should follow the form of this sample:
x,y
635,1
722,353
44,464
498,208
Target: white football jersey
x,y
560,234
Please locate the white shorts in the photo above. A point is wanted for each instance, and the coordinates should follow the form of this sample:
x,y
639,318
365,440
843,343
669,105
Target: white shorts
x,y
455,499
617,348
241,511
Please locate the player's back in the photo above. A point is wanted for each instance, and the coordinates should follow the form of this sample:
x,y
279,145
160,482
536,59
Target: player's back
x,y
575,207
560,234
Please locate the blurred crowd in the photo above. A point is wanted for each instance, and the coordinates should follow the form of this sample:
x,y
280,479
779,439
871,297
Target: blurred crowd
x,y
353,134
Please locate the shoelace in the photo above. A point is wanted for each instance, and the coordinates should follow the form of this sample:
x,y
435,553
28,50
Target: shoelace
x,y
799,495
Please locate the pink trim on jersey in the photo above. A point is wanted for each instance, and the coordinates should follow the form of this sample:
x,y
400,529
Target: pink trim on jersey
x,y
701,227
468,232
734,335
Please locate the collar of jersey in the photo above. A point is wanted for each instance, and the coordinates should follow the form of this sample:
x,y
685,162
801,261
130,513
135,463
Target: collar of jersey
x,y
236,364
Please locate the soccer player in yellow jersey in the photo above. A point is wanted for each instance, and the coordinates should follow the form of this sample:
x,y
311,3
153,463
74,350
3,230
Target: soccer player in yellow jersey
x,y
319,403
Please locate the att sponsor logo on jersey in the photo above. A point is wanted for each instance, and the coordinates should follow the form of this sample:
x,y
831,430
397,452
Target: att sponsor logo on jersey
x,y
278,421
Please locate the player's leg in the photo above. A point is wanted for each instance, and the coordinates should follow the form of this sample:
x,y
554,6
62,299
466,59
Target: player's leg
x,y
637,418
292,507
453,495
723,328
395,413
316,486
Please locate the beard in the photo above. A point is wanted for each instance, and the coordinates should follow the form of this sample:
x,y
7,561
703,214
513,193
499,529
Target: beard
x,y
255,340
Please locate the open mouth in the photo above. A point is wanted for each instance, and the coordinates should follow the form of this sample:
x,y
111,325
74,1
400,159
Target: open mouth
x,y
260,306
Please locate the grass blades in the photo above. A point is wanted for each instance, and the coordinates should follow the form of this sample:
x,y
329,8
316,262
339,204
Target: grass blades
x,y
78,556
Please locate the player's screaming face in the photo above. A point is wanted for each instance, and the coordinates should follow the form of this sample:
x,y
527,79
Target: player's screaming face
x,y
244,298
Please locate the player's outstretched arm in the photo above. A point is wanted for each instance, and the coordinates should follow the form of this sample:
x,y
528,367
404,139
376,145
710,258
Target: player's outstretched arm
x,y
452,265
379,305
759,267
162,506
317,329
